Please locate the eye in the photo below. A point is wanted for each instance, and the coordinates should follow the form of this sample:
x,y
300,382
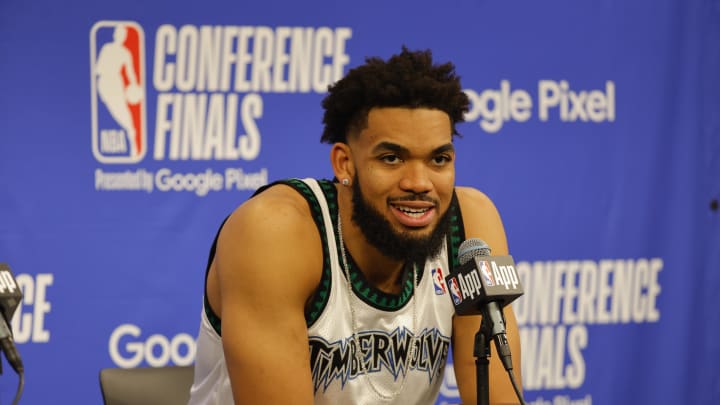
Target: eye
x,y
391,159
441,160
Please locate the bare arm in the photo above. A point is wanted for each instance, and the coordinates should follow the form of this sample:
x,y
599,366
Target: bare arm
x,y
482,221
267,264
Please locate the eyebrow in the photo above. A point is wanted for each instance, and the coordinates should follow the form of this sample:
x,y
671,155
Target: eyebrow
x,y
399,149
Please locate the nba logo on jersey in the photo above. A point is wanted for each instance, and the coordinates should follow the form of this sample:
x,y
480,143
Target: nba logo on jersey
x,y
118,102
438,281
486,273
455,291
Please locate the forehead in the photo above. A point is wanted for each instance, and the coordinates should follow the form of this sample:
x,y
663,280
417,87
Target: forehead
x,y
406,126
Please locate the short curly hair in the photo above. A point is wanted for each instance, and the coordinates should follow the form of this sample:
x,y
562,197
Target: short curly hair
x,y
409,79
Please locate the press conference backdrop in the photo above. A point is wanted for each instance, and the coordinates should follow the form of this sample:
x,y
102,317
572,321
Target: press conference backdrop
x,y
594,127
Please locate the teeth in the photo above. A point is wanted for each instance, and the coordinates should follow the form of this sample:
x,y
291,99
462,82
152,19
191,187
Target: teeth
x,y
413,212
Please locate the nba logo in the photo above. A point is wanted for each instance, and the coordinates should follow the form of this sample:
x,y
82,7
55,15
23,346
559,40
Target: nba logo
x,y
117,82
486,273
455,291
438,281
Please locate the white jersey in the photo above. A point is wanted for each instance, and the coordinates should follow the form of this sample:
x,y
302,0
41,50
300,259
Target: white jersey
x,y
385,327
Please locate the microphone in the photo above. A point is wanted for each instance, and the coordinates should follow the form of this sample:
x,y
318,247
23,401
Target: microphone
x,y
484,285
10,296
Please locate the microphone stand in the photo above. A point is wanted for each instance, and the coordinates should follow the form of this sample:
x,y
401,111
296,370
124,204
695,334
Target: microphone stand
x,y
482,359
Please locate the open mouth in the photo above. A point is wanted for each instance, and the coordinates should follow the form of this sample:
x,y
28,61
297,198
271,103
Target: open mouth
x,y
413,212
414,215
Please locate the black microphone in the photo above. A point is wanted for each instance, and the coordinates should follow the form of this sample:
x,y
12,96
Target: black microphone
x,y
10,296
483,285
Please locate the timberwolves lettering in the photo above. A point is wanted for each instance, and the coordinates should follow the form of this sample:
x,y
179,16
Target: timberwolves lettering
x,y
330,361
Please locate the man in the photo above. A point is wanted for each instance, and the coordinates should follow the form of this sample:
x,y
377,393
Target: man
x,y
324,292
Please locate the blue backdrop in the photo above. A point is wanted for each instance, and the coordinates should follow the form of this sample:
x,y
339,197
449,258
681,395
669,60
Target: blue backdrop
x,y
129,130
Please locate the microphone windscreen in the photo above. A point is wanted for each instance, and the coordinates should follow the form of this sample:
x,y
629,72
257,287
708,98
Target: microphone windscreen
x,y
472,247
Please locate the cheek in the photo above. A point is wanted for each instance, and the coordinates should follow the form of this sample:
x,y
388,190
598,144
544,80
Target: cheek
x,y
444,186
444,182
377,183
375,189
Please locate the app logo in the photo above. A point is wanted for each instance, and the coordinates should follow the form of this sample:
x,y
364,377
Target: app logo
x,y
439,281
486,273
117,82
455,291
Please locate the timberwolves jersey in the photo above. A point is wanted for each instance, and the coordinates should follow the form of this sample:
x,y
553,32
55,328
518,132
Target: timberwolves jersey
x,y
403,339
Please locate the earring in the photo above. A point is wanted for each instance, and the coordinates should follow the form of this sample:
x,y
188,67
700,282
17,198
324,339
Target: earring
x,y
345,182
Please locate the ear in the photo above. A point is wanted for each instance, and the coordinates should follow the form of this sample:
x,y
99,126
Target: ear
x,y
342,161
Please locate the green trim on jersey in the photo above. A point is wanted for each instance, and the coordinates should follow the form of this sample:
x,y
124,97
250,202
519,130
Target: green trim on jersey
x,y
456,234
318,300
361,287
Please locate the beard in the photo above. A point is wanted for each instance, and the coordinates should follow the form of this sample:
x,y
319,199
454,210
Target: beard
x,y
398,245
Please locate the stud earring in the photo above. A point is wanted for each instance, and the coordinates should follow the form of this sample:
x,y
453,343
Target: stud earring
x,y
345,182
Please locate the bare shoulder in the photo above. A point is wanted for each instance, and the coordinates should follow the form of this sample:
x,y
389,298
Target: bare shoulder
x,y
476,205
471,195
272,238
482,219
287,205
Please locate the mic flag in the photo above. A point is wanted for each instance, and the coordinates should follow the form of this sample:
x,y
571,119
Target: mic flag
x,y
480,279
10,294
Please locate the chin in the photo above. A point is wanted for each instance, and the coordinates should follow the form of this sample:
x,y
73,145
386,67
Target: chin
x,y
417,233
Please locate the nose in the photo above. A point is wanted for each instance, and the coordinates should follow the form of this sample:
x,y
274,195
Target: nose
x,y
416,178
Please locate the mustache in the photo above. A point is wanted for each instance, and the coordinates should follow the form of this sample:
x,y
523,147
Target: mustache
x,y
414,197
